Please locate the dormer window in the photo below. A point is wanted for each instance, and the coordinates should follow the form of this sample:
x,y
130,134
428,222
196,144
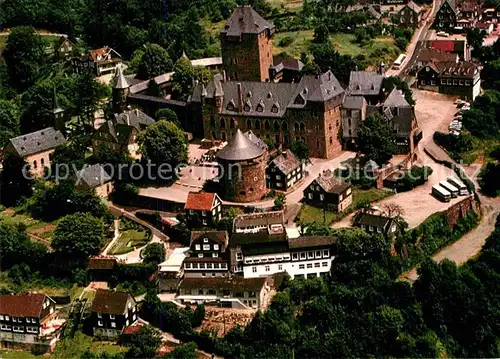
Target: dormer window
x,y
249,94
247,106
260,107
300,100
269,95
275,108
205,240
230,106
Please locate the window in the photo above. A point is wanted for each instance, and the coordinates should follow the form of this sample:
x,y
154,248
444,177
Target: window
x,y
202,265
14,320
310,195
326,253
113,325
321,197
310,254
318,254
254,269
200,255
239,256
197,247
303,255
278,177
316,265
216,247
1,317
260,108
280,267
324,264
6,317
5,327
99,315
268,268
195,265
224,265
209,265
206,247
187,265
301,266
215,254
309,265
18,329
216,265
34,164
99,323
295,256
203,274
230,106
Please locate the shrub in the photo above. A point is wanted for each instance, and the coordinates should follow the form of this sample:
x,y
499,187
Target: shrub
x,y
285,41
401,43
455,145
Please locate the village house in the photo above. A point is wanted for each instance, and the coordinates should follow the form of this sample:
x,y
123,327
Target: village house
x,y
100,268
329,193
112,311
260,221
427,56
29,320
353,113
284,171
116,137
208,255
94,178
392,6
462,79
171,271
203,209
65,49
106,60
458,47
491,14
378,223
446,16
135,118
410,15
370,85
36,148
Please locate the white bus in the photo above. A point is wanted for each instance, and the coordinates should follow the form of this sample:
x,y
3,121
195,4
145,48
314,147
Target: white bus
x,y
462,189
441,193
399,61
450,188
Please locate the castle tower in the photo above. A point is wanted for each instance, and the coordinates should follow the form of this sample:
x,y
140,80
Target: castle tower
x,y
120,91
246,45
244,169
58,113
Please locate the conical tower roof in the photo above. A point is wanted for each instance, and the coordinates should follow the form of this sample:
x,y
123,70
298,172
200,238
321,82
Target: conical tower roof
x,y
240,149
56,108
121,81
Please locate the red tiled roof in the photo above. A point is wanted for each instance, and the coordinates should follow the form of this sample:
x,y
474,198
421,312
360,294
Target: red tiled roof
x,y
102,51
24,305
446,46
110,302
201,201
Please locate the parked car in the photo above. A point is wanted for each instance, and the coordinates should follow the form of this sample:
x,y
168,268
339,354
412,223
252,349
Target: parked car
x,y
442,34
463,104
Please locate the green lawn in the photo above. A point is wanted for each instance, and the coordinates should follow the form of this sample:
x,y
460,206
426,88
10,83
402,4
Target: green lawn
x,y
309,213
128,240
380,49
73,348
39,228
17,354
3,41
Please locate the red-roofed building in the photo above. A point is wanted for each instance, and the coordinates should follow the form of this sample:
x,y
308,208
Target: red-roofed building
x,y
203,208
105,59
28,320
458,47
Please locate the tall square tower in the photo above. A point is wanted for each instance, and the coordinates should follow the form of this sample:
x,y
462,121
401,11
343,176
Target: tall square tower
x,y
247,47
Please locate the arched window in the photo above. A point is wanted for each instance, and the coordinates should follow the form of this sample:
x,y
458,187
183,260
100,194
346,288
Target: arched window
x,y
35,165
284,126
276,126
257,124
42,162
249,125
302,127
266,125
296,127
222,123
232,123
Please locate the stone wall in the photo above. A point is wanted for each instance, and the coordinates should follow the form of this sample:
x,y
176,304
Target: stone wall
x,y
460,209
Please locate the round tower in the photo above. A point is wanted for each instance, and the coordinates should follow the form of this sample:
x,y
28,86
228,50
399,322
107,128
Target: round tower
x,y
244,170
120,91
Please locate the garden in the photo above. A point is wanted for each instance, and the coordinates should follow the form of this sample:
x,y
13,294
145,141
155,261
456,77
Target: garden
x,y
132,236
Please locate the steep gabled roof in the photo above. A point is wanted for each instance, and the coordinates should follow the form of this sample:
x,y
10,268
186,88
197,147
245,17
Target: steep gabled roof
x,y
396,99
121,81
200,201
110,302
245,20
417,9
120,133
39,141
220,237
364,83
24,305
240,149
258,219
286,162
330,184
93,176
135,118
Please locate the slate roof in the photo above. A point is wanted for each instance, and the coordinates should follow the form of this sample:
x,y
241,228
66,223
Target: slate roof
x,y
396,99
120,133
110,302
121,81
258,219
286,162
245,20
24,305
428,55
256,140
287,63
331,184
222,283
317,88
463,70
240,149
373,12
93,176
364,83
373,220
354,102
135,118
257,238
220,237
200,201
311,241
39,141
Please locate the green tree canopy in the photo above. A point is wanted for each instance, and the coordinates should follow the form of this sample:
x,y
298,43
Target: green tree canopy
x,y
143,344
321,34
154,62
9,121
24,55
185,76
163,142
154,253
16,181
78,236
376,139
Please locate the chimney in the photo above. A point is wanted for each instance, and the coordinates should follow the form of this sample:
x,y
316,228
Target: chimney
x,y
240,98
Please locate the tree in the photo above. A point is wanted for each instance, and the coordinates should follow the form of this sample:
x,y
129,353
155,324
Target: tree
x,y
9,121
167,114
24,55
300,149
185,76
154,253
482,120
154,62
321,34
198,316
475,39
144,343
184,351
280,201
376,139
327,58
489,179
17,248
88,93
16,181
154,89
393,209
163,143
78,236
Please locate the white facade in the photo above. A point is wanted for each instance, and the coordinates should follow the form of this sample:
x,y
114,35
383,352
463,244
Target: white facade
x,y
297,264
